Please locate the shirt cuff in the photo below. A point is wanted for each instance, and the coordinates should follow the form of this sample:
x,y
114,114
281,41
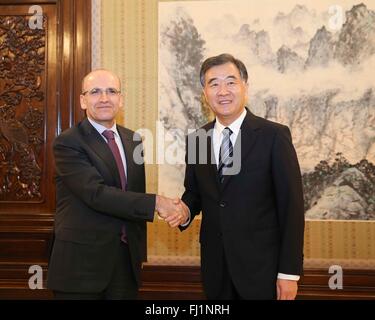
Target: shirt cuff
x,y
288,276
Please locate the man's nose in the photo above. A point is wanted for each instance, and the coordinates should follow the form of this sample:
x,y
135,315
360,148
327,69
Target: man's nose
x,y
223,90
103,96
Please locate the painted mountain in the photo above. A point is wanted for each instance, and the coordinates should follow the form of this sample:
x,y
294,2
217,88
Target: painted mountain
x,y
316,79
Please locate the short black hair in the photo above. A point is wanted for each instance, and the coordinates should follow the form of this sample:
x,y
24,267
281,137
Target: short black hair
x,y
218,61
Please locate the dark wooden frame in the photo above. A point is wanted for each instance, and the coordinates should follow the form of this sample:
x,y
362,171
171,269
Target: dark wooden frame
x,y
26,231
184,283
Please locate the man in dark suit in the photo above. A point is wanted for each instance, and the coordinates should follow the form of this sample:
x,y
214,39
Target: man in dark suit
x,y
250,195
102,208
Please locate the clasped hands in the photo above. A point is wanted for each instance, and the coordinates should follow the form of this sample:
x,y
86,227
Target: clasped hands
x,y
173,211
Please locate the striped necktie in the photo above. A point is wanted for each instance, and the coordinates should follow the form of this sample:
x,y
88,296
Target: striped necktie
x,y
226,153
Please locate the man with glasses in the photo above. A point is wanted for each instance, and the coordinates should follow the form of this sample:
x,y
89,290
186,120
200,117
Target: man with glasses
x,y
102,207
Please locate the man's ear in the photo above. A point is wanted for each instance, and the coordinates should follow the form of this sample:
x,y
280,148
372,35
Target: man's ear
x,y
82,102
204,94
247,91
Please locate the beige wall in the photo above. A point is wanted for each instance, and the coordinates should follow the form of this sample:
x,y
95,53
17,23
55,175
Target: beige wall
x,y
128,45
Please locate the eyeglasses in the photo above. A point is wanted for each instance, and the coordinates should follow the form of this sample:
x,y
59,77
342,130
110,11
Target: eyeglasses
x,y
98,92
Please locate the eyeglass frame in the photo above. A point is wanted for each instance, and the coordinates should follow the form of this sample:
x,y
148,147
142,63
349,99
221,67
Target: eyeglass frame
x,y
101,91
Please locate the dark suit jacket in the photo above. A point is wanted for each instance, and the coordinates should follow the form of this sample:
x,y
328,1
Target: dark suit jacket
x,y
91,209
255,218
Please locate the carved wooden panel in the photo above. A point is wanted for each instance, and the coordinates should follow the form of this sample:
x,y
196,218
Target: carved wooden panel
x,y
40,81
22,108
28,107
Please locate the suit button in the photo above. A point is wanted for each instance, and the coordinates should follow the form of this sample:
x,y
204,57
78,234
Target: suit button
x,y
220,234
222,204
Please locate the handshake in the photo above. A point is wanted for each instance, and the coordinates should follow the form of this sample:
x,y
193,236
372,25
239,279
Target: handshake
x,y
173,211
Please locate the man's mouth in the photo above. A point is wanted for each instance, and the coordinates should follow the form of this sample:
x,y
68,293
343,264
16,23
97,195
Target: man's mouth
x,y
224,102
104,107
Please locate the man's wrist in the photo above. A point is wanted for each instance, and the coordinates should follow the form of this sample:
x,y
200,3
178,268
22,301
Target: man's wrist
x,y
157,202
186,223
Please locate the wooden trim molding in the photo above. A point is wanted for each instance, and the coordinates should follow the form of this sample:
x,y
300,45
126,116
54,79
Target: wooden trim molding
x,y
356,285
184,283
26,228
74,57
171,283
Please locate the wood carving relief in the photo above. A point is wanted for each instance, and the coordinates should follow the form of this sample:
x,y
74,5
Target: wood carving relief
x,y
22,109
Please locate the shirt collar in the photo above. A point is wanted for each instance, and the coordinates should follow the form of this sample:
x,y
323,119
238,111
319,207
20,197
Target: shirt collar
x,y
101,128
234,126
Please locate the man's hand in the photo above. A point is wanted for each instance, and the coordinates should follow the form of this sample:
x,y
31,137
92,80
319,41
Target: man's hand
x,y
175,221
286,289
171,210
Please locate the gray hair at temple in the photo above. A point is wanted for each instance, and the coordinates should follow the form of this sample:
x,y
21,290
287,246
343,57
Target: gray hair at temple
x,y
218,61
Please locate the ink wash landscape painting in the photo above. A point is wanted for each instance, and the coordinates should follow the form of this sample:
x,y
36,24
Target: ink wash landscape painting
x,y
311,67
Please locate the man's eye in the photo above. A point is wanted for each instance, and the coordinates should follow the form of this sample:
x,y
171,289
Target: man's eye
x,y
112,91
95,91
213,85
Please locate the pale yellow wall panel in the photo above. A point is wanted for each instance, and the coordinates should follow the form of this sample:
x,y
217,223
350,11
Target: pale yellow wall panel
x,y
129,46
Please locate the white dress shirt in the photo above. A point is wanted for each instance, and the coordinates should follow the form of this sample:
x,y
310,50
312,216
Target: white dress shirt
x,y
217,136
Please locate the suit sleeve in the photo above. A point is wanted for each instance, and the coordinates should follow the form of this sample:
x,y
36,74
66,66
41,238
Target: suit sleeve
x,y
191,196
290,205
84,181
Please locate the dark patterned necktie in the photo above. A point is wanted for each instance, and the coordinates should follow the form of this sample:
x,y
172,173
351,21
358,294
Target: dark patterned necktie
x,y
120,167
226,153
116,154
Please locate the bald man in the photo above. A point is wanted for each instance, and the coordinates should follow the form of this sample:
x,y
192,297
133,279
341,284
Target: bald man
x,y
101,204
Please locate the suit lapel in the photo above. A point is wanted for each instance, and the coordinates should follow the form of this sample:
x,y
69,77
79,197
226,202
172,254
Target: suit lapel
x,y
211,156
248,132
100,147
128,145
